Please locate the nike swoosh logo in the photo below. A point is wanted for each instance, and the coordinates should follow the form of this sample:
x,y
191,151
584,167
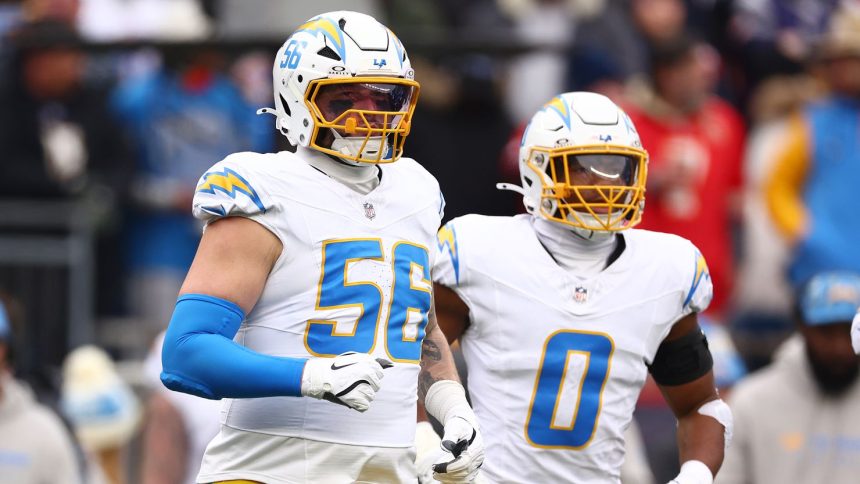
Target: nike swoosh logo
x,y
335,367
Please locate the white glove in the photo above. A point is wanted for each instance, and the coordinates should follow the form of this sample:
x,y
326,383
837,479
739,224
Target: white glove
x,y
855,333
427,451
350,379
463,450
693,472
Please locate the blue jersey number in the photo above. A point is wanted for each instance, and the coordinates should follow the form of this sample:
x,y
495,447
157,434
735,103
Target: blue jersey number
x,y
568,390
408,307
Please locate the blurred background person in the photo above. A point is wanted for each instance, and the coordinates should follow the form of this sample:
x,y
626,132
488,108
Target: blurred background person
x,y
176,429
35,446
115,20
180,118
625,31
55,140
695,143
796,420
549,26
68,164
812,188
460,112
103,411
776,37
762,294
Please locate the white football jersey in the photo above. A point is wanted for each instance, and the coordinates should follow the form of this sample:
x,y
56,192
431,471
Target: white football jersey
x,y
354,275
556,364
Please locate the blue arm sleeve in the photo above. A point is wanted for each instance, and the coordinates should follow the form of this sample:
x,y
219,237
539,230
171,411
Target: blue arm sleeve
x,y
200,357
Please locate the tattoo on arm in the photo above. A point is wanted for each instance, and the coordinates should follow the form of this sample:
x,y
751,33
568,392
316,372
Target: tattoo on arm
x,y
436,361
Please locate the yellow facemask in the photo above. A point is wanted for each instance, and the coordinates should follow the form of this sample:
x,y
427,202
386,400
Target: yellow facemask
x,y
373,113
593,187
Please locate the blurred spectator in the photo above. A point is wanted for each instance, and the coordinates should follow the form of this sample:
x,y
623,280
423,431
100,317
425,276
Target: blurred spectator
x,y
177,429
695,142
171,20
267,18
10,15
182,119
55,135
59,142
456,97
762,296
812,190
548,26
777,36
590,70
102,409
64,11
35,447
796,421
625,31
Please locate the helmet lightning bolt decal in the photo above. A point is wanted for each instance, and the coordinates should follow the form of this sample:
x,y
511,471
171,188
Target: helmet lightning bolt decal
x,y
230,183
558,105
329,29
397,46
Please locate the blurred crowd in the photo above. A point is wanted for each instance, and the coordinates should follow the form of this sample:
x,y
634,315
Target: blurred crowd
x,y
749,109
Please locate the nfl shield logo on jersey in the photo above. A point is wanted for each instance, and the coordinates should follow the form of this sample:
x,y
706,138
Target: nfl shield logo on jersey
x,y
369,211
580,294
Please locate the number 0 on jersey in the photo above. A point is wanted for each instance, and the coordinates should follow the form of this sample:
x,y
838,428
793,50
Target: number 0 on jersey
x,y
565,405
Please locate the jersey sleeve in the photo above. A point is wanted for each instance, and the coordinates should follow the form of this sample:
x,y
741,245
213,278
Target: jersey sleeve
x,y
232,188
698,287
446,267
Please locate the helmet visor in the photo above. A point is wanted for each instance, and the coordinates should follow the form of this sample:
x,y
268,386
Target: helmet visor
x,y
602,169
378,105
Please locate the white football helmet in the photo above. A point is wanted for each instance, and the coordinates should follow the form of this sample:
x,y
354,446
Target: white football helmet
x,y
582,164
344,86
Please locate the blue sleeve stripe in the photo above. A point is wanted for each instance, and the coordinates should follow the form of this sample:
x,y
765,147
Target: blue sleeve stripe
x,y
200,357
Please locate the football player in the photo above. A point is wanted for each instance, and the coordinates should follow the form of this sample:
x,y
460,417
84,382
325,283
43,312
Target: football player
x,y
312,280
563,311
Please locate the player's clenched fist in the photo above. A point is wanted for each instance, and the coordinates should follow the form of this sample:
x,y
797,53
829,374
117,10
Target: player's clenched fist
x,y
463,450
350,379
